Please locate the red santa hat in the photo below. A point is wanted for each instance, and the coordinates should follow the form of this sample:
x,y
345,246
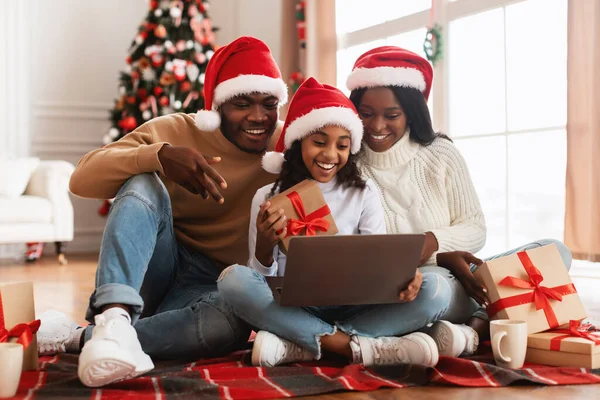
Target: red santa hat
x,y
243,66
391,66
314,106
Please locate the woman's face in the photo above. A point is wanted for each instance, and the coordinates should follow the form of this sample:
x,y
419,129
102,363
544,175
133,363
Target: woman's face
x,y
383,118
325,152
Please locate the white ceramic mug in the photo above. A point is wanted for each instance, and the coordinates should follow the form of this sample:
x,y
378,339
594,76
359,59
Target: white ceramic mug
x,y
509,342
11,364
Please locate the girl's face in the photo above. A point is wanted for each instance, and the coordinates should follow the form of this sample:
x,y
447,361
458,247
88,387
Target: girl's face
x,y
325,152
383,118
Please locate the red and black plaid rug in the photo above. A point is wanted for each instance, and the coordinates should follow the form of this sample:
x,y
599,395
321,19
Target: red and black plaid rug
x,y
233,377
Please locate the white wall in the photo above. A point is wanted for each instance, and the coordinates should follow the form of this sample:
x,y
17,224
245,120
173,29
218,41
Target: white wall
x,y
77,49
258,18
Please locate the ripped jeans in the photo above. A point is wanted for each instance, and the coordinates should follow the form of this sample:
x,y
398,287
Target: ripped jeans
x,y
248,293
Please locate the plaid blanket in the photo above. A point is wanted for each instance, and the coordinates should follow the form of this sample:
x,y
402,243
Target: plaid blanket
x,y
233,377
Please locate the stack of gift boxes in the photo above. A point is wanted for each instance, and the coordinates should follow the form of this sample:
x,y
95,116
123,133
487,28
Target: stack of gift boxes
x,y
535,286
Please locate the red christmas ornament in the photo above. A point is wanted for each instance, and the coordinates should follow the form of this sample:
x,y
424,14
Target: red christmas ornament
x,y
142,94
157,59
128,60
135,75
131,100
185,86
153,5
164,101
157,91
128,124
144,34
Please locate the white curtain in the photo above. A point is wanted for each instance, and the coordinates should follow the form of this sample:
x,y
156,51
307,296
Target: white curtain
x,y
14,88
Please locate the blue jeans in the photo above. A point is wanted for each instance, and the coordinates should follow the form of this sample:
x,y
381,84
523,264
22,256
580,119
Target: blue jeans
x,y
171,291
441,297
247,291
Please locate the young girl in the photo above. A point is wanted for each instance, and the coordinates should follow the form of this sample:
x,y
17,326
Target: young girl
x,y
319,141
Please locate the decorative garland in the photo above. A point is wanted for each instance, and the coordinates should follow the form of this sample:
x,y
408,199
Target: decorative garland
x,y
298,77
433,45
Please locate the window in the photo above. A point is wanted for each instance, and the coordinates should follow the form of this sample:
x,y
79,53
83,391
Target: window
x,y
354,15
501,97
498,87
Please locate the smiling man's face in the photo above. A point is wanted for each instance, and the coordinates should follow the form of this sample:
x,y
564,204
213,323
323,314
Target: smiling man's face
x,y
248,121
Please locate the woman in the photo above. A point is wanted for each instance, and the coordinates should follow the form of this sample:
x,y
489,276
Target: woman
x,y
425,188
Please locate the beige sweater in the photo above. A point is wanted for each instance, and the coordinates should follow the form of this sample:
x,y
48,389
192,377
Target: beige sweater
x,y
220,231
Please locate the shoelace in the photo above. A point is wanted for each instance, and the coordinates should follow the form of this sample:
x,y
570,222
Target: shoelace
x,y
384,352
291,350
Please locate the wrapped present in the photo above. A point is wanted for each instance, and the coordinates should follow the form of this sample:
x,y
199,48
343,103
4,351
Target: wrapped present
x,y
307,212
576,346
532,285
17,320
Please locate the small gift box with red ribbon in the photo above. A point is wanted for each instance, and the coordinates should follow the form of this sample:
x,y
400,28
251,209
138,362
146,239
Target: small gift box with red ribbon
x,y
575,345
533,286
306,210
17,320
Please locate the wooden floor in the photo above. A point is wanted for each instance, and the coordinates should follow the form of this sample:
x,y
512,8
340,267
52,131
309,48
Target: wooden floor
x,y
67,288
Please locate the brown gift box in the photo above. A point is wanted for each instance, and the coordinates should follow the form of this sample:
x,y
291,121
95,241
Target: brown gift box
x,y
18,306
554,276
312,200
574,351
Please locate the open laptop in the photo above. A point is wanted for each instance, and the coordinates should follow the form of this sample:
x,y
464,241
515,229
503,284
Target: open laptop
x,y
347,269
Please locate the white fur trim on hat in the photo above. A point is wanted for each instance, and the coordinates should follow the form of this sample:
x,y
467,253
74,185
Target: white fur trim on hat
x,y
246,84
385,76
208,120
272,162
316,119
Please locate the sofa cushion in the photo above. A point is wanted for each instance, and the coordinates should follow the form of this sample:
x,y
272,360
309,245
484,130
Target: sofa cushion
x,y
15,174
25,209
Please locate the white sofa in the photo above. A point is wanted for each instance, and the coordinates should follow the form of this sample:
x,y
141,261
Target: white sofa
x,y
42,212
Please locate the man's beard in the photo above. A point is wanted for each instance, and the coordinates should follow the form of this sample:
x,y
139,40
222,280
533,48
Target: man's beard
x,y
229,132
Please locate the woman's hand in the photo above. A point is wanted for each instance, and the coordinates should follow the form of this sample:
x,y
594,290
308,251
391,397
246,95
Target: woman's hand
x,y
410,293
458,262
271,227
429,247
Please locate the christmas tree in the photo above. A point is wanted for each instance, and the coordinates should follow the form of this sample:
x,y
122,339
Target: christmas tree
x,y
165,65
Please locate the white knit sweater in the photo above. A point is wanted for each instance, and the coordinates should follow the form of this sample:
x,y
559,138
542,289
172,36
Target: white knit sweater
x,y
427,188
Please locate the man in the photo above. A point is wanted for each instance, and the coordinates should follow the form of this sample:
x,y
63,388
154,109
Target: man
x,y
165,243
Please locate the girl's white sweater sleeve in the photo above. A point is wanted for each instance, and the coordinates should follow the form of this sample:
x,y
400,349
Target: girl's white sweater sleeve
x,y
253,262
372,219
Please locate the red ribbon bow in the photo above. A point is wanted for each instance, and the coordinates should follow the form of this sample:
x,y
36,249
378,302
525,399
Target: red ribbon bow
x,y
23,332
540,295
575,330
312,222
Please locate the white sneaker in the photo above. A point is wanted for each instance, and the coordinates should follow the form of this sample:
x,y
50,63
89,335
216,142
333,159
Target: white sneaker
x,y
415,348
113,354
57,333
270,350
454,340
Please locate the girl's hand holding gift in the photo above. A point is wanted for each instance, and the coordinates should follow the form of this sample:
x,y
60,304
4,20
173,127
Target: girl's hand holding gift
x,y
271,227
458,263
